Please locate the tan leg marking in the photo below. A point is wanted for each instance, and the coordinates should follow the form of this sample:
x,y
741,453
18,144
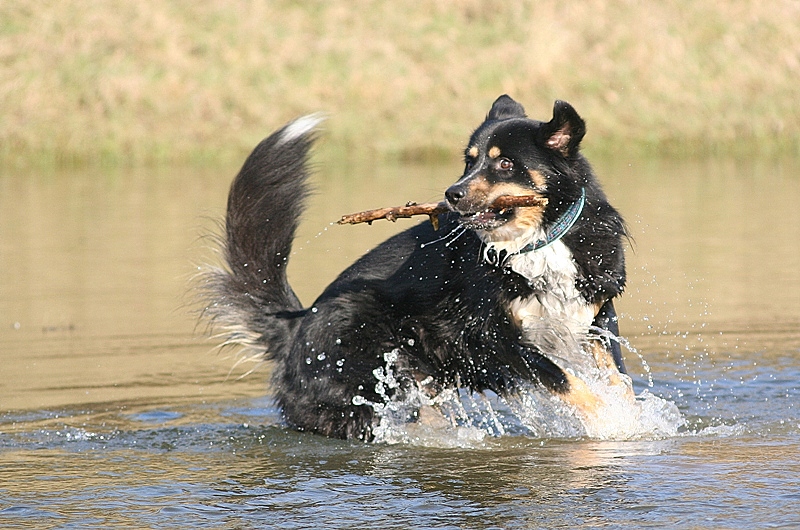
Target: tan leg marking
x,y
604,360
581,396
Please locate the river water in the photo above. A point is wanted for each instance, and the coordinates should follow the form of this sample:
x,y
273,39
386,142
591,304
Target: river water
x,y
116,409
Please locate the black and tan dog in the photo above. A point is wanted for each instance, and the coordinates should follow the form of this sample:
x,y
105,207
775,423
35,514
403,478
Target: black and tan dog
x,y
473,304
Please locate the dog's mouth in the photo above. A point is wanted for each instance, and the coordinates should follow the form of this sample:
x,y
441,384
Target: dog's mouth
x,y
487,219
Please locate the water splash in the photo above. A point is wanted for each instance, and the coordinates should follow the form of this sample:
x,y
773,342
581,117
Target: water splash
x,y
645,416
449,237
460,418
448,419
319,234
625,343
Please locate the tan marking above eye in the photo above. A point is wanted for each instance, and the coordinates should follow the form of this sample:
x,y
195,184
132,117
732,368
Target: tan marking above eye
x,y
494,152
473,151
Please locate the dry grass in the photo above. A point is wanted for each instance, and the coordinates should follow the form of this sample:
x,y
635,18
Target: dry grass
x,y
158,81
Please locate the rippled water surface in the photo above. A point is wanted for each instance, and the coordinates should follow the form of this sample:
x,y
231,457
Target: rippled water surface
x,y
117,410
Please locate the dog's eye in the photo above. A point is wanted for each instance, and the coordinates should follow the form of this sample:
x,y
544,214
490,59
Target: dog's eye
x,y
505,164
469,164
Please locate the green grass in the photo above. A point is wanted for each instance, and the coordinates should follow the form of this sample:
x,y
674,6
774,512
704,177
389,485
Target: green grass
x,y
157,82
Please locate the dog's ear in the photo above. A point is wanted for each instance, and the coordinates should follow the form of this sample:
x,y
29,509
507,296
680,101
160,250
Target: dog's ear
x,y
565,131
504,107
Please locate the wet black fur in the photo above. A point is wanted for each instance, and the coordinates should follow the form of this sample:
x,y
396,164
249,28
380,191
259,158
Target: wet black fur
x,y
443,308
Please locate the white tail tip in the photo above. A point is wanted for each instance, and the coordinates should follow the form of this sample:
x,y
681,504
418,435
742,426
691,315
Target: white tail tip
x,y
300,127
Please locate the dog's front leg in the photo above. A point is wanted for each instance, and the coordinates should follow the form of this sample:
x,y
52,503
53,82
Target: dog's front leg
x,y
606,319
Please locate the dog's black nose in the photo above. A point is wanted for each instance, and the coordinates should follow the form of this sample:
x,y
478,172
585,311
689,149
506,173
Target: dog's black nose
x,y
454,194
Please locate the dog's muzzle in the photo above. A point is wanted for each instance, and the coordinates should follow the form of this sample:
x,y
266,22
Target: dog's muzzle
x,y
475,214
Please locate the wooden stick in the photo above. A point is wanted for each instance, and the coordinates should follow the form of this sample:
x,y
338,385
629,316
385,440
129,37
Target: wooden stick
x,y
393,213
433,209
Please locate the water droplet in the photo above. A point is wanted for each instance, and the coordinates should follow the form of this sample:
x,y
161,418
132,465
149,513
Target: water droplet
x,y
390,357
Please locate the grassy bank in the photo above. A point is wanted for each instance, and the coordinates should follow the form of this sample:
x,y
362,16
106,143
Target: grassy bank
x,y
173,81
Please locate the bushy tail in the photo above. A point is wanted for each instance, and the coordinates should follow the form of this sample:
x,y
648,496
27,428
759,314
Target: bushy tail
x,y
251,300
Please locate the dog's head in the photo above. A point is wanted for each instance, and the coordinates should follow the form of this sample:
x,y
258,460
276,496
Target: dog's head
x,y
510,154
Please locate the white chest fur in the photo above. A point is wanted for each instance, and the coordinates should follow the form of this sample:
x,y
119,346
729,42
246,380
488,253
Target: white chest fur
x,y
556,303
